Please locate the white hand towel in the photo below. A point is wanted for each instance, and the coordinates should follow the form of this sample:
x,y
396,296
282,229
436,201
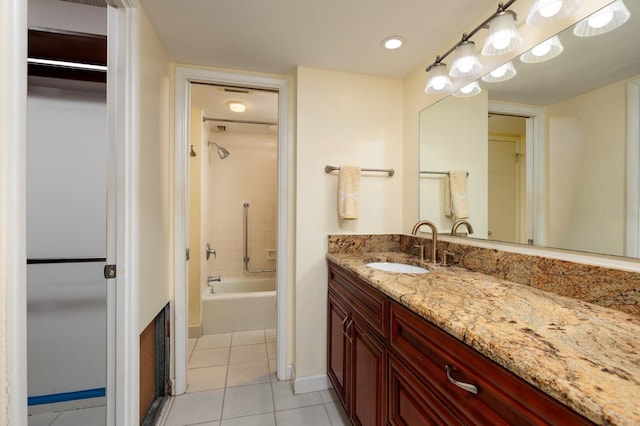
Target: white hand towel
x,y
458,184
447,197
349,192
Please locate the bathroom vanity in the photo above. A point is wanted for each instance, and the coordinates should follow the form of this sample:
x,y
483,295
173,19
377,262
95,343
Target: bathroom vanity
x,y
453,346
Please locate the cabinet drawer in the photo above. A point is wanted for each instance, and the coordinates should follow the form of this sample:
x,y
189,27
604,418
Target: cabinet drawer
x,y
368,304
502,397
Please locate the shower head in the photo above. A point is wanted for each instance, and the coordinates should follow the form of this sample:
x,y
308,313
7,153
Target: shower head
x,y
222,153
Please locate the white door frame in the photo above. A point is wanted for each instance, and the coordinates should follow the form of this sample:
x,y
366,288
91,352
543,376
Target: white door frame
x,y
13,252
123,356
184,76
122,343
535,163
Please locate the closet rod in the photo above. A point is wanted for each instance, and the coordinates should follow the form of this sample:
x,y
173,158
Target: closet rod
x,y
266,123
390,172
67,64
49,260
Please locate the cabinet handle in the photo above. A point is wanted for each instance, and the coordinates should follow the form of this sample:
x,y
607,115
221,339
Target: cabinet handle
x,y
466,386
349,332
344,331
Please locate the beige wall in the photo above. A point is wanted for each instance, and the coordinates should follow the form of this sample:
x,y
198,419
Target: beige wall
x,y
342,119
442,149
195,255
586,146
155,176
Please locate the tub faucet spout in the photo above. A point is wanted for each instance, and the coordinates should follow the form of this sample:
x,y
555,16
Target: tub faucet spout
x,y
213,279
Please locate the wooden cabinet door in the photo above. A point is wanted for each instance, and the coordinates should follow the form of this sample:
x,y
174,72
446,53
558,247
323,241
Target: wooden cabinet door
x,y
368,377
337,347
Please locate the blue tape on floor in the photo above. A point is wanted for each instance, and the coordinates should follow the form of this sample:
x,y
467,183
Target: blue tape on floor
x,y
67,396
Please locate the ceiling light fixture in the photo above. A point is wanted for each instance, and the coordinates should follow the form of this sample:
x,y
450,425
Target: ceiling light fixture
x,y
439,80
503,38
544,51
393,42
469,90
546,12
606,19
236,106
465,60
502,73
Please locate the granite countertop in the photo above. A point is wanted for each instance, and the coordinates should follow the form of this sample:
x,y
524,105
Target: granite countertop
x,y
584,355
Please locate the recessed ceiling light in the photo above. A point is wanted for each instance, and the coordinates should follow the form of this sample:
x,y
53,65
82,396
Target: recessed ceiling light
x,y
393,42
236,106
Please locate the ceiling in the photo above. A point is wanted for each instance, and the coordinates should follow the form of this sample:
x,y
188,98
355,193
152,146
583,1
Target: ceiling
x,y
276,36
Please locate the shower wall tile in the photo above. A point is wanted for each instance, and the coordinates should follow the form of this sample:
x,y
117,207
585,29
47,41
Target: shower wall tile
x,y
249,175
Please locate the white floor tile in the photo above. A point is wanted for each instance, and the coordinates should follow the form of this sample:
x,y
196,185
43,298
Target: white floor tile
x,y
206,424
308,416
329,395
209,357
248,373
270,335
267,419
211,341
95,416
251,337
247,400
207,378
337,414
194,408
273,370
248,353
285,399
42,419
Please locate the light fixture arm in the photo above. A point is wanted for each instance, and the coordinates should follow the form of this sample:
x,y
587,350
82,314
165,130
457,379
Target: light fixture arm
x,y
502,7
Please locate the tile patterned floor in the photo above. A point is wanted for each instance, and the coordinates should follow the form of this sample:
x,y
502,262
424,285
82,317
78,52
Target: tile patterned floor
x,y
232,383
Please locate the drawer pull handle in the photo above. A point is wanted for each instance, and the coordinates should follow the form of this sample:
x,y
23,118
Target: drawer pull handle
x,y
466,386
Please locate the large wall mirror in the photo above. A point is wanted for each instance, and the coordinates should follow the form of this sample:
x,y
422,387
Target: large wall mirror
x,y
551,154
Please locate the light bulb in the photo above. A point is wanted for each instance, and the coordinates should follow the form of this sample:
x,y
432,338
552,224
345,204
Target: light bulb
x,y
550,9
499,72
541,49
599,20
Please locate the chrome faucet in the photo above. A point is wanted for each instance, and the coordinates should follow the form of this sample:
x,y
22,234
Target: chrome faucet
x,y
213,279
434,237
459,222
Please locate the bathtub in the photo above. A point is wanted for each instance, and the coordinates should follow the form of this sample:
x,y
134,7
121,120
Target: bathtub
x,y
238,305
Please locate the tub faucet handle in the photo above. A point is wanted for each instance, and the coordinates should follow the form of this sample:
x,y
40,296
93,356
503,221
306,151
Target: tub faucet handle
x,y
210,251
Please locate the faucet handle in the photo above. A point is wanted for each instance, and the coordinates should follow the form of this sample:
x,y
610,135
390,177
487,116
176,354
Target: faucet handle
x,y
448,258
420,248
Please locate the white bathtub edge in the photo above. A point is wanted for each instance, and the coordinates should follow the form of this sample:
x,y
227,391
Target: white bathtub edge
x,y
311,384
195,331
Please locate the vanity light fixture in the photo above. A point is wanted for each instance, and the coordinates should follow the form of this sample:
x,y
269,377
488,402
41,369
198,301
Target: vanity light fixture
x,y
469,90
439,80
503,37
465,60
236,106
546,12
502,73
544,51
606,19
393,42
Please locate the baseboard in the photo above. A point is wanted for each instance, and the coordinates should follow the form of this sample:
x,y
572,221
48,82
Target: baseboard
x,y
311,384
195,331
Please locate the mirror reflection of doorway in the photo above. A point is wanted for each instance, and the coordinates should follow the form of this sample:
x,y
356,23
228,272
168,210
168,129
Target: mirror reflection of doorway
x,y
507,178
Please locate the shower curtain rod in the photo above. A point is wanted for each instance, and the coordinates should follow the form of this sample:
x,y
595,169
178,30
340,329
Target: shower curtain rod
x,y
266,123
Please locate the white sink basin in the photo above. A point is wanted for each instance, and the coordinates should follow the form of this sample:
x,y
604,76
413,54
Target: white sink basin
x,y
398,267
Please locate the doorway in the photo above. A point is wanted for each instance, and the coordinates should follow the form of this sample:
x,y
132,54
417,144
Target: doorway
x,y
507,166
220,155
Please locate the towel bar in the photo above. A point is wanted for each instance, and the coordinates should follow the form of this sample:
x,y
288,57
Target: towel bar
x,y
436,173
390,172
